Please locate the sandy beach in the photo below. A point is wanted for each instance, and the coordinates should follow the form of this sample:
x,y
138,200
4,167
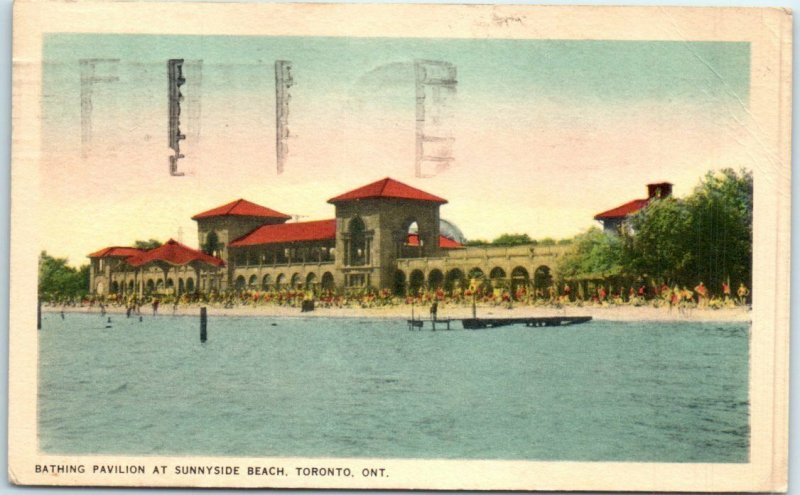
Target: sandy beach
x,y
606,313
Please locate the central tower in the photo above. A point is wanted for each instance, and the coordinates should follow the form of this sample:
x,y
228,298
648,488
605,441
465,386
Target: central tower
x,y
375,226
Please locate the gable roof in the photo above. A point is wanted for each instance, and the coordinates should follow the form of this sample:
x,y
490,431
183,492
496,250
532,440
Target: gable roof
x,y
318,230
174,253
387,188
116,252
623,211
241,208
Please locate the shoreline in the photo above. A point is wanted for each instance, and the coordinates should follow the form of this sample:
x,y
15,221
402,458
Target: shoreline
x,y
600,313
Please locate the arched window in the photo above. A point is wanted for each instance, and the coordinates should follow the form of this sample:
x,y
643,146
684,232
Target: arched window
x,y
416,281
455,280
358,245
399,283
212,245
410,243
519,279
327,281
435,279
542,278
498,277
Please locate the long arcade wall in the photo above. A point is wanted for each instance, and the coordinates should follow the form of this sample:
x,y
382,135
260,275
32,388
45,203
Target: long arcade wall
x,y
518,263
498,263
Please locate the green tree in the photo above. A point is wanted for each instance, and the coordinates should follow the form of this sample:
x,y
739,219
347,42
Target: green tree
x,y
57,279
656,244
146,245
512,240
596,254
212,244
706,237
721,228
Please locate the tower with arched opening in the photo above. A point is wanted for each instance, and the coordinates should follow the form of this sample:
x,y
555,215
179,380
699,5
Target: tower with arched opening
x,y
378,223
218,227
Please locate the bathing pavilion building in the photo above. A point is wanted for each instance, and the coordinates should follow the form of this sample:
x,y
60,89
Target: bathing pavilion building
x,y
384,235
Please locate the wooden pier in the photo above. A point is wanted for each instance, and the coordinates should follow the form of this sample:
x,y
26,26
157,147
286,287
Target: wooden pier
x,y
545,321
482,323
420,324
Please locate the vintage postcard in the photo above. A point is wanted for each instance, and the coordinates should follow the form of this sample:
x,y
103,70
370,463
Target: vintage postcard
x,y
400,246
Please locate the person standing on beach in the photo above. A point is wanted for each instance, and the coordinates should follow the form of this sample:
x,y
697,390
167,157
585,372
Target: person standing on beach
x,y
434,309
702,294
742,292
674,297
155,306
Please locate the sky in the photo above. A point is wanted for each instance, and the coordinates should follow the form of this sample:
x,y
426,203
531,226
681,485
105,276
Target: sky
x,y
546,133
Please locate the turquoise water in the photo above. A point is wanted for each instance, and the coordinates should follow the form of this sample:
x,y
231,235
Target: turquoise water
x,y
602,391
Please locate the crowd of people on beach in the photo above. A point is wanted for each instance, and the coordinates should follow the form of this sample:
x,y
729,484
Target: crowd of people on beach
x,y
676,297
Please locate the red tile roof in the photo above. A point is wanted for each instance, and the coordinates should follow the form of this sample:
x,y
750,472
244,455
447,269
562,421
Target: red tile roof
x,y
319,230
241,208
623,211
174,253
116,252
444,242
387,188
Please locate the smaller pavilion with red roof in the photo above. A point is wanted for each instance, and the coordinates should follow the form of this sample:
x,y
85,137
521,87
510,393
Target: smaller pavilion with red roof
x,y
615,219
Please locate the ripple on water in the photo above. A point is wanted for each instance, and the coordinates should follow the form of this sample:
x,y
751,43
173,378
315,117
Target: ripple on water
x,y
604,391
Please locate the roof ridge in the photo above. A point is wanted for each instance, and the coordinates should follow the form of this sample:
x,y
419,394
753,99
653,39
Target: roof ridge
x,y
234,205
385,184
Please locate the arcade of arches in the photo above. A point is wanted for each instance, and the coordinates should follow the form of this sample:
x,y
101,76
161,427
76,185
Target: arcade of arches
x,y
486,279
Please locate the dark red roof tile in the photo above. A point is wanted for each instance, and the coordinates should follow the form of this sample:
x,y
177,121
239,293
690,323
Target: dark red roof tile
x,y
623,211
319,230
444,242
242,208
174,253
387,188
116,252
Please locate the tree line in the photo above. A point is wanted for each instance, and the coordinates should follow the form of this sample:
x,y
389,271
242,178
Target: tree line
x,y
706,237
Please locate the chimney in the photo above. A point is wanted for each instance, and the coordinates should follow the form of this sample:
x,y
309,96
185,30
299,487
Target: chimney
x,y
659,190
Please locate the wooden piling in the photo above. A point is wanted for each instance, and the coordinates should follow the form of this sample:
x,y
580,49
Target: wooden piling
x,y
203,324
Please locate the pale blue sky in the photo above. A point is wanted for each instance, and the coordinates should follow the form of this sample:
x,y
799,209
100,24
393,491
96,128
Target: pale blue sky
x,y
578,113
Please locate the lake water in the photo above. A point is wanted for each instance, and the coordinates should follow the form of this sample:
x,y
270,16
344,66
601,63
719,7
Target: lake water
x,y
601,391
